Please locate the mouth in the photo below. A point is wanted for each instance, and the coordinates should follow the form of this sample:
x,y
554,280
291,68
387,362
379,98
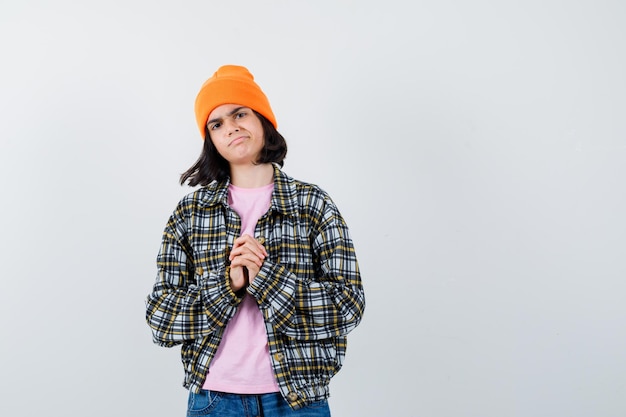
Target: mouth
x,y
237,140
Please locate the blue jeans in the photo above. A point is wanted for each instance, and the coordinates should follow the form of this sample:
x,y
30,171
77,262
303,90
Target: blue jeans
x,y
212,403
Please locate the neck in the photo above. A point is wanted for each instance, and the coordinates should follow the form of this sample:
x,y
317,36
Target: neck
x,y
252,176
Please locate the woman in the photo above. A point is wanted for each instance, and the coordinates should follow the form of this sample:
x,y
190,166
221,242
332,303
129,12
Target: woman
x,y
257,274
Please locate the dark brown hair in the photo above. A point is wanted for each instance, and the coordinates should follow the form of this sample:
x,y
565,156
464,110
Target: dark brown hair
x,y
211,166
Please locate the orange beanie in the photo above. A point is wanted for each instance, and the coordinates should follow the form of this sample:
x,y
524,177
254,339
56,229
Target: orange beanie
x,y
231,84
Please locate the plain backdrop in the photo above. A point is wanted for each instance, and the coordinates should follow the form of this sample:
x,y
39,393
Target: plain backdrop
x,y
477,150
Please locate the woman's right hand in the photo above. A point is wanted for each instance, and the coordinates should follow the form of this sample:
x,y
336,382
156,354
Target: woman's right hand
x,y
246,259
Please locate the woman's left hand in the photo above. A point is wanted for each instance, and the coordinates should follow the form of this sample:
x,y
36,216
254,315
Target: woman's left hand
x,y
247,252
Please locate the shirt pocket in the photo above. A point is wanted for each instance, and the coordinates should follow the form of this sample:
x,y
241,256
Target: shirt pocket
x,y
289,246
210,263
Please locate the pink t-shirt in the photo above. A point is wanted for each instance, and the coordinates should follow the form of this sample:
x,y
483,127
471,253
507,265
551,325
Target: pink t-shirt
x,y
242,362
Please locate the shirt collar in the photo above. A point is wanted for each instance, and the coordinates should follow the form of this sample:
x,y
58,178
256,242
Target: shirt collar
x,y
284,197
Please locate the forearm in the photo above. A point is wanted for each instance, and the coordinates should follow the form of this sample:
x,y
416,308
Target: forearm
x,y
178,314
308,309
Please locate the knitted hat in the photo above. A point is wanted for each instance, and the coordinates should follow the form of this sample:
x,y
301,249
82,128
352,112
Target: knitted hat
x,y
231,84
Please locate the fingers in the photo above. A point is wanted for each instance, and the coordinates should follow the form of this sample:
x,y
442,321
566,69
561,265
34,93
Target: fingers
x,y
251,262
250,247
248,253
246,259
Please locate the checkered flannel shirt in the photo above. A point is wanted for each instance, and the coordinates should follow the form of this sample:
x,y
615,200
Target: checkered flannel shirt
x,y
309,287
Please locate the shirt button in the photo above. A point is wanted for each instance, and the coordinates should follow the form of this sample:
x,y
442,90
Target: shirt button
x,y
279,356
200,270
292,396
261,239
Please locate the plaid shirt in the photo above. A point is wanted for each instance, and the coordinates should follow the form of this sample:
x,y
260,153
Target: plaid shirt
x,y
309,288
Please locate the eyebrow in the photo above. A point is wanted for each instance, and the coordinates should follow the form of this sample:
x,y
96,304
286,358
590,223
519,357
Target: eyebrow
x,y
235,110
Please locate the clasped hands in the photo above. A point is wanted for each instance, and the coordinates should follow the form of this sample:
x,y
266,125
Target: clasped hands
x,y
246,259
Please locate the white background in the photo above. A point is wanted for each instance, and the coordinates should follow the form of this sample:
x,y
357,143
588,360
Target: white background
x,y
476,149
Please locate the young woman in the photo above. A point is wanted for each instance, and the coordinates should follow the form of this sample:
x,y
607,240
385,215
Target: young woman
x,y
257,274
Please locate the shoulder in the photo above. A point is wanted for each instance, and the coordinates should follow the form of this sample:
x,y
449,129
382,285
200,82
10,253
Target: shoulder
x,y
311,191
284,180
199,199
191,200
205,196
307,197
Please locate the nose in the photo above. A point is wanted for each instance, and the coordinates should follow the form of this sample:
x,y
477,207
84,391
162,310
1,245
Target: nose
x,y
231,125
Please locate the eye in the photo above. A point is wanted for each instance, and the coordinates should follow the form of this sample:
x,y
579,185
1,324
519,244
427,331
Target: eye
x,y
215,126
240,114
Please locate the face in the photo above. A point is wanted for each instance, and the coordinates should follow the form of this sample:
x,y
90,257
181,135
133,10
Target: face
x,y
237,133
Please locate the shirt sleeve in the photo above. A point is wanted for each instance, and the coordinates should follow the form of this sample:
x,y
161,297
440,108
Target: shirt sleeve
x,y
188,301
332,303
